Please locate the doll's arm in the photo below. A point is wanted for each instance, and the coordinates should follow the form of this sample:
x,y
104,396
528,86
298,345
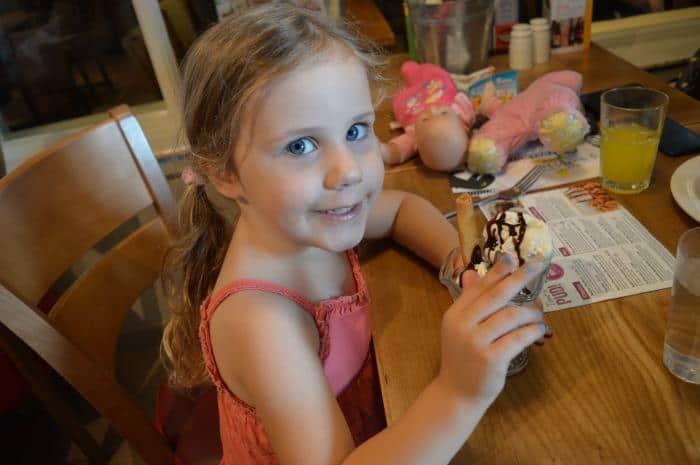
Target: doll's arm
x,y
400,148
463,107
558,123
563,131
495,141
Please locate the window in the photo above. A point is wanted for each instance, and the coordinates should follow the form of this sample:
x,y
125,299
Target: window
x,y
65,59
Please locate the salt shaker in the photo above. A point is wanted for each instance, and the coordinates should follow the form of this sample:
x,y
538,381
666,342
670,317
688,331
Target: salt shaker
x,y
541,39
520,47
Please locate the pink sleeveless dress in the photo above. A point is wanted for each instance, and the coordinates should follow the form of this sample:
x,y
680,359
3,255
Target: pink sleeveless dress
x,y
343,325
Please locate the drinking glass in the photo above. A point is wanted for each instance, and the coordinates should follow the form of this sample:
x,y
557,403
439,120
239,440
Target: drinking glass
x,y
631,121
453,34
682,344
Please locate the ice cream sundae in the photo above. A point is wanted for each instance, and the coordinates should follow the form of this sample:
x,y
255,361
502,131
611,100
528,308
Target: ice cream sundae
x,y
515,233
512,232
518,234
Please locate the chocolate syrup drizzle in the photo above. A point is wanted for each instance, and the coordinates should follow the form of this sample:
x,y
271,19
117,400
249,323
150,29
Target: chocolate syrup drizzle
x,y
494,232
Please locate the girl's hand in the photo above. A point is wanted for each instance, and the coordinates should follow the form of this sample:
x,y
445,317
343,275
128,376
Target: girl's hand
x,y
482,333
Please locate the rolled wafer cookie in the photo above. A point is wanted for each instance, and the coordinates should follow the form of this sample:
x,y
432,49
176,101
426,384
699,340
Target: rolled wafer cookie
x,y
466,226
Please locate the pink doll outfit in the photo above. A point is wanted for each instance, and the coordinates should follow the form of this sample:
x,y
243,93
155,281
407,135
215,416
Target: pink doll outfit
x,y
426,86
343,325
518,121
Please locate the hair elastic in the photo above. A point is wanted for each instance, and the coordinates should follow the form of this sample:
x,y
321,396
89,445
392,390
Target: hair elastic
x,y
191,178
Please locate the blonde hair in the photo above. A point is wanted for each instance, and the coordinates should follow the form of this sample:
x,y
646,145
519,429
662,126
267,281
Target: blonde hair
x,y
223,73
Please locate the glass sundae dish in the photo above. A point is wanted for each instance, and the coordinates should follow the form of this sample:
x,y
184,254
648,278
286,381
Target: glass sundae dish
x,y
513,232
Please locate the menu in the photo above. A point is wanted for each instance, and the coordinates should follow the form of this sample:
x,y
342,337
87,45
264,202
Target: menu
x,y
601,251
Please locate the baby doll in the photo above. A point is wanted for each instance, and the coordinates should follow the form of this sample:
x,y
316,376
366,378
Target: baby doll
x,y
434,116
547,109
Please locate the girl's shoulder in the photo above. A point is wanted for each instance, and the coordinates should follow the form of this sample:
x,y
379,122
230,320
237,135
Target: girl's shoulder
x,y
250,310
257,312
261,295
252,331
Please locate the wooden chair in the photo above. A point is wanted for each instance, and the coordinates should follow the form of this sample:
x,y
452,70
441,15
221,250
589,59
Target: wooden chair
x,y
53,209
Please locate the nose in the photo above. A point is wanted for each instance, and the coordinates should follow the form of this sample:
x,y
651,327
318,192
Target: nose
x,y
343,168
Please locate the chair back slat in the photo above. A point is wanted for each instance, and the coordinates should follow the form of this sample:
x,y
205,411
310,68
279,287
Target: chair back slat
x,y
59,204
32,330
91,313
164,200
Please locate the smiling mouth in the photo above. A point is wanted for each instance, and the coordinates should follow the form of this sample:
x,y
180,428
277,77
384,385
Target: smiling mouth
x,y
342,213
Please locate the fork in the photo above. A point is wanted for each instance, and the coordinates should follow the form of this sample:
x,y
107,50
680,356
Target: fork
x,y
517,190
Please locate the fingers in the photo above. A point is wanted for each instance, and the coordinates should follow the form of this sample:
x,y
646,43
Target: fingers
x,y
501,293
507,320
549,333
469,278
517,340
504,267
496,289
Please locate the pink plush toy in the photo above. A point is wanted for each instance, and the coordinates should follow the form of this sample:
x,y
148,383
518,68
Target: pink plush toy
x,y
548,109
434,116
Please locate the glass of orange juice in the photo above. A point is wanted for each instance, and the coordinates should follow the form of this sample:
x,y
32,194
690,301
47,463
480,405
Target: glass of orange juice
x,y
631,121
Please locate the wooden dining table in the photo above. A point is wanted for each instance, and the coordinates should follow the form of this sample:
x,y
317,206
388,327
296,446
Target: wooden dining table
x,y
598,391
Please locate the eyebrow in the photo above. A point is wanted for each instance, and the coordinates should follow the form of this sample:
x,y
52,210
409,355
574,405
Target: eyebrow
x,y
306,130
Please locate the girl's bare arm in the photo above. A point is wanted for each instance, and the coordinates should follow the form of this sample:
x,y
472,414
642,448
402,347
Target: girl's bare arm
x,y
413,222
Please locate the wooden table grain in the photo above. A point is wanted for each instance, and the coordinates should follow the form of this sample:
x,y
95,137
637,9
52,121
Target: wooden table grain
x,y
597,392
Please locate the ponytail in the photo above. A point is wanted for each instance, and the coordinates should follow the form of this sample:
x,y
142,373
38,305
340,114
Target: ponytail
x,y
191,267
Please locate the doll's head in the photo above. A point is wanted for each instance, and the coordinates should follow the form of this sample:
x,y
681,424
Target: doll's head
x,y
278,113
441,138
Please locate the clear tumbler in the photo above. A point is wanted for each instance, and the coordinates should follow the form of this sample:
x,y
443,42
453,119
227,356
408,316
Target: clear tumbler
x,y
682,343
453,34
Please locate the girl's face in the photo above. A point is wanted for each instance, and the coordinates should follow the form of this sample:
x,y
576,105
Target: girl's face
x,y
308,162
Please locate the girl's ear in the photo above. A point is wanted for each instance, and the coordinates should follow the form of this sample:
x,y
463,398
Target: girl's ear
x,y
227,184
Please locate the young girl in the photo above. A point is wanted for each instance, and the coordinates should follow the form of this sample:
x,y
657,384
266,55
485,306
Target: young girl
x,y
279,115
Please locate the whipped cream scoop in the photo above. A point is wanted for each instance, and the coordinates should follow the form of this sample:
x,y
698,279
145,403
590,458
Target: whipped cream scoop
x,y
518,234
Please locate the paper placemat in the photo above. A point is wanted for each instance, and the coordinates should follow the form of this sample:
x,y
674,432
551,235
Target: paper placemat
x,y
601,251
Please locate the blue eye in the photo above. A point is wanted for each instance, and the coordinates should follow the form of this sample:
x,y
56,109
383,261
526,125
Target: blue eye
x,y
301,146
357,131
